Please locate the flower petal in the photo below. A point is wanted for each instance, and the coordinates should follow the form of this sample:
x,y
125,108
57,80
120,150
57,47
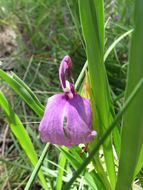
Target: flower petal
x,y
79,119
51,126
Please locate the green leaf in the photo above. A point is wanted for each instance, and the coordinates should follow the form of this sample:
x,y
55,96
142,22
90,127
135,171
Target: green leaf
x,y
21,135
23,84
140,162
92,21
113,45
61,163
132,129
37,168
92,178
73,9
23,91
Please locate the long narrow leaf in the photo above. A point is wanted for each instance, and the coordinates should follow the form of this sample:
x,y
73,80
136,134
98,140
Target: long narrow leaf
x,y
73,9
113,45
92,20
21,135
23,91
23,84
140,162
37,168
61,163
92,178
132,130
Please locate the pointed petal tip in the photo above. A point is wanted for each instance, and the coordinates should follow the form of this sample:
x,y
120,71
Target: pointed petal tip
x,y
93,133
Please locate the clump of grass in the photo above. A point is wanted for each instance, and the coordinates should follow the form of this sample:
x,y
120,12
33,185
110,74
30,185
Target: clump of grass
x,y
45,33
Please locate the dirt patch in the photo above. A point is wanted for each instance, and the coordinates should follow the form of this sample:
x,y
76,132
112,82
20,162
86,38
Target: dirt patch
x,y
8,43
8,46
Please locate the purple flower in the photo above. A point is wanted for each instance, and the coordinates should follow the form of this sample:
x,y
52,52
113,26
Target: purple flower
x,y
68,118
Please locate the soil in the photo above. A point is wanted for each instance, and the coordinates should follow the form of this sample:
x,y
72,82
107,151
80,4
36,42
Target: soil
x,y
8,46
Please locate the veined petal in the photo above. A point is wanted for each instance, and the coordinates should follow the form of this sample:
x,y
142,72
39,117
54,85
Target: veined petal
x,y
51,125
79,119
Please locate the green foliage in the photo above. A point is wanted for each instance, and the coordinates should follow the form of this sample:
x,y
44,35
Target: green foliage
x,y
93,18
46,35
24,91
21,135
132,96
132,121
61,163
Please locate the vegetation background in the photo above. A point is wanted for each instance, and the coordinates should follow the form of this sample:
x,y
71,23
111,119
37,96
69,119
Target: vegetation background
x,y
34,37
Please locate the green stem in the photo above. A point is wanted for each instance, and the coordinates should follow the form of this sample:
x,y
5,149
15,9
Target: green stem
x,y
81,76
101,172
37,168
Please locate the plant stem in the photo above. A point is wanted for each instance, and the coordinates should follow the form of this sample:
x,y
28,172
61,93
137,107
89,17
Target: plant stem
x,y
81,76
37,168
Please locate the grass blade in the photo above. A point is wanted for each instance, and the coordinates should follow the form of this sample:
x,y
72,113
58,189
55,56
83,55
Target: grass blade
x,y
23,91
113,45
92,178
140,162
73,9
37,168
62,163
23,84
93,30
21,135
132,129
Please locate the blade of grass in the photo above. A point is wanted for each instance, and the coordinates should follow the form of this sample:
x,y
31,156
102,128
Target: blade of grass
x,y
23,91
81,77
61,163
76,160
113,45
75,163
23,84
37,168
140,162
92,21
75,17
128,102
21,134
132,129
